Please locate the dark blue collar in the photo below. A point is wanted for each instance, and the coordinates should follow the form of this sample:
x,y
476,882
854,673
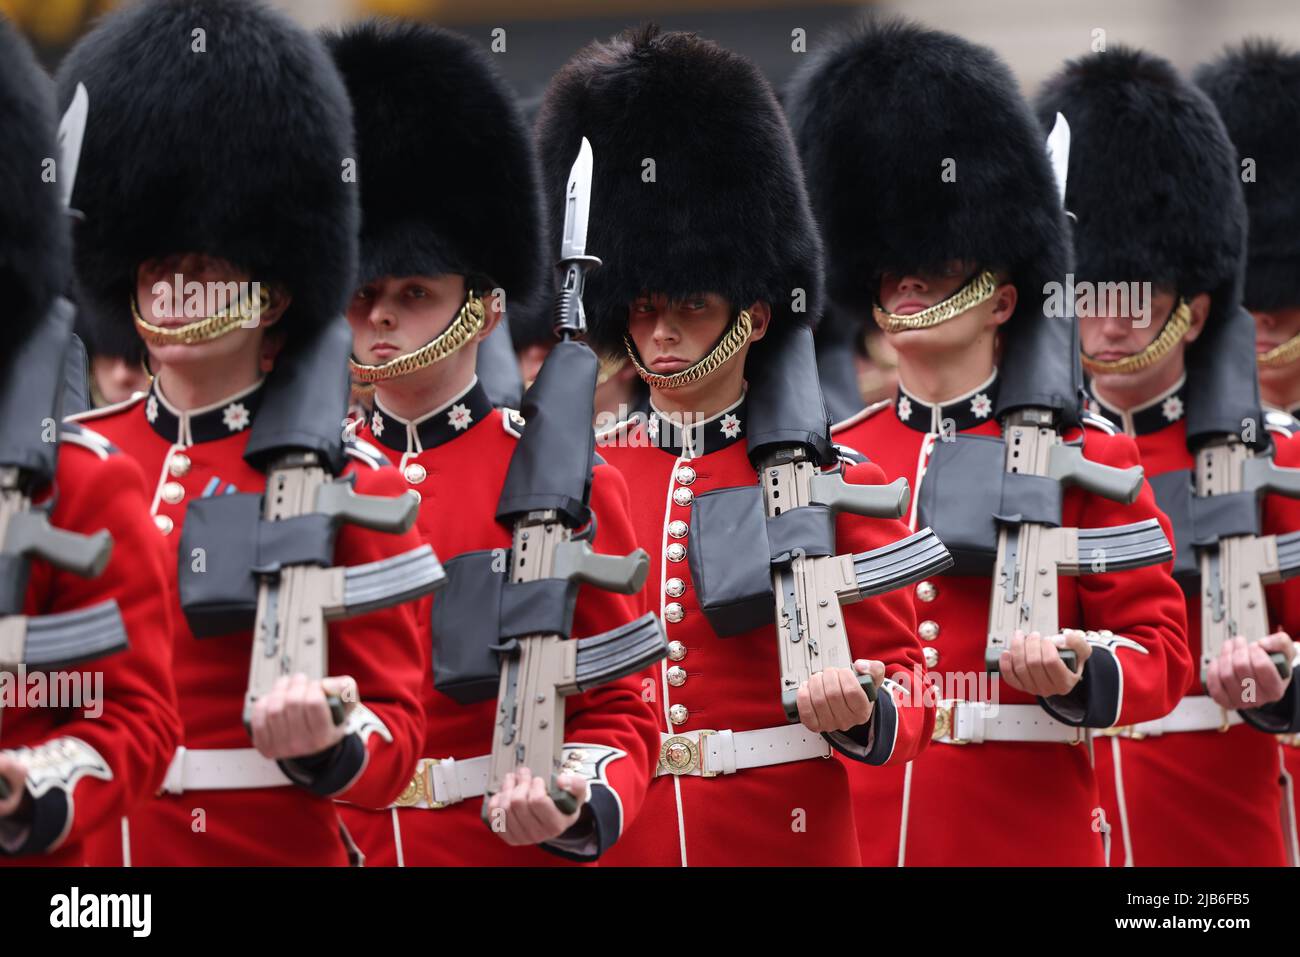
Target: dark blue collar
x,y
217,421
1160,413
955,415
433,428
689,436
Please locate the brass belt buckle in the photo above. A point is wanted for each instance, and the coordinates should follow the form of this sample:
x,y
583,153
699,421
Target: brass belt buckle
x,y
679,755
945,725
420,787
704,756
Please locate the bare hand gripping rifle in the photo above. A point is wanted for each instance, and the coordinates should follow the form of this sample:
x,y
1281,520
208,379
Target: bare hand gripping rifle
x,y
30,401
270,556
545,498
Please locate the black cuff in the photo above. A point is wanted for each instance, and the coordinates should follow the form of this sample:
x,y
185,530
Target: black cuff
x,y
1094,702
597,828
46,818
873,742
327,772
1280,717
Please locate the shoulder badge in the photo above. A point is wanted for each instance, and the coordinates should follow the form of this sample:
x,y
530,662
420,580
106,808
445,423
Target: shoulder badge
x,y
74,434
363,451
512,422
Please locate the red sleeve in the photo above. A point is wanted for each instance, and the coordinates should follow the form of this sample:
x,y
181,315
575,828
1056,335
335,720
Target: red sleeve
x,y
98,759
611,732
883,628
1143,667
383,651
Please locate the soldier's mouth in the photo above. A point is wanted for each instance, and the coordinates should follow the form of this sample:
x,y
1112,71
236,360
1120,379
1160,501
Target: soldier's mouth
x,y
669,364
381,350
909,307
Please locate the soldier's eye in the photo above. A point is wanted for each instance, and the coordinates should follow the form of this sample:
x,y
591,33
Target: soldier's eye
x,y
417,292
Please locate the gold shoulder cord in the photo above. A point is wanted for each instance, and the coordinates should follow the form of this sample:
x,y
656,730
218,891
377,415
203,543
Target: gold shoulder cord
x,y
1175,328
201,330
979,289
1280,355
727,347
465,327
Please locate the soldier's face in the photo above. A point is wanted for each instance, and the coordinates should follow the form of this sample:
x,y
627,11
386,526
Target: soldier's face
x,y
1272,328
907,293
205,285
1109,331
672,336
398,314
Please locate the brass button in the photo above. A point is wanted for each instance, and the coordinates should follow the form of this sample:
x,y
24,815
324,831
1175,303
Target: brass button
x,y
678,714
676,650
929,630
179,464
926,591
931,654
173,492
683,496
164,523
673,612
674,587
676,552
416,495
415,473
676,676
685,475
677,528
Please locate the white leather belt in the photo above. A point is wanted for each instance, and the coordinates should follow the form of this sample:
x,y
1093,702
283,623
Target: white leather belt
x,y
1193,713
221,769
973,722
710,753
442,782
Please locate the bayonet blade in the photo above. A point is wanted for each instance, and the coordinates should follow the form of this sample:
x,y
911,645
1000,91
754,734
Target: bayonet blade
x,y
72,131
577,204
1058,152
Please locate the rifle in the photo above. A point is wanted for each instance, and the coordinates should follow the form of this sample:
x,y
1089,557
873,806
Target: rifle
x,y
1231,479
545,499
1032,553
789,442
33,393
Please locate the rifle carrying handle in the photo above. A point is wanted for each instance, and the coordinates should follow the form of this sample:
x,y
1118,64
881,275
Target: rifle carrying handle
x,y
84,555
1274,479
790,699
375,512
1068,466
1281,663
565,802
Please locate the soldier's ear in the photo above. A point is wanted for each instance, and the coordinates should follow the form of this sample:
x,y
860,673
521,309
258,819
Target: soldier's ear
x,y
1004,302
1200,306
494,307
760,317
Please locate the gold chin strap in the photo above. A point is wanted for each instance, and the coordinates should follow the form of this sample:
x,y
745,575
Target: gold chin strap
x,y
201,330
1176,326
1281,355
727,346
463,328
978,290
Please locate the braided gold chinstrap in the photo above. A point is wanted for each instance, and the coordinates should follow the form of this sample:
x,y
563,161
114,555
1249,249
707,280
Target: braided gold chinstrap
x,y
201,330
1175,328
1280,355
978,290
465,327
727,347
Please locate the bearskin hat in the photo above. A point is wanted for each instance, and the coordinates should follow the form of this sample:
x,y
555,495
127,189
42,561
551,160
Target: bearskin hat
x,y
1256,87
881,113
34,240
449,179
218,127
696,186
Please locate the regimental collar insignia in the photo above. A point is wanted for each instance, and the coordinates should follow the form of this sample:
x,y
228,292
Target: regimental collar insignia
x,y
686,436
219,420
956,415
1160,413
433,428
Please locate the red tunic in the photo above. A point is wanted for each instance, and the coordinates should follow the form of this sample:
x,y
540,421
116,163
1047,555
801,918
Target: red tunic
x,y
1012,803
456,459
1227,811
107,746
797,813
188,455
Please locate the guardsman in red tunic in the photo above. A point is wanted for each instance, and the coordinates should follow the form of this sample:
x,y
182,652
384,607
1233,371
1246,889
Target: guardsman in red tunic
x,y
1256,87
78,746
448,235
949,240
710,259
201,169
1172,363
